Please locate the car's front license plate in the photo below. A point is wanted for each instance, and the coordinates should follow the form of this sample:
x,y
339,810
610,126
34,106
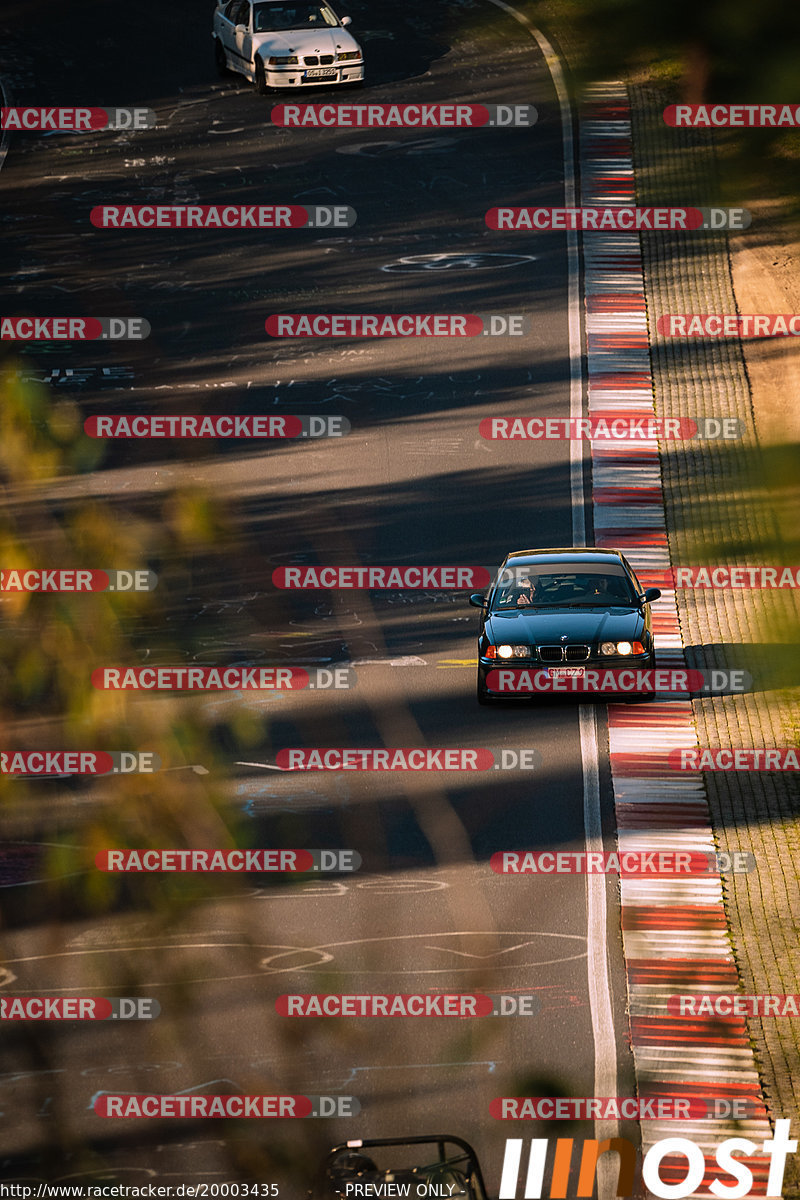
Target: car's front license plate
x,y
320,73
567,672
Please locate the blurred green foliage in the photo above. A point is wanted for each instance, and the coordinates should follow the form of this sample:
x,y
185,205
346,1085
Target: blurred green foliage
x,y
728,51
59,510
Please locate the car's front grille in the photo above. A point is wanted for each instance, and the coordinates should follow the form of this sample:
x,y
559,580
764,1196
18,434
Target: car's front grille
x,y
326,59
550,653
312,60
576,653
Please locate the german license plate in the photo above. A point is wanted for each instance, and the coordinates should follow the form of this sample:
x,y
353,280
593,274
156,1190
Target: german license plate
x,y
566,672
320,73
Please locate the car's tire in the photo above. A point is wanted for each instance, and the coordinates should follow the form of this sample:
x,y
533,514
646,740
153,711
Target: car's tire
x,y
481,695
260,83
219,58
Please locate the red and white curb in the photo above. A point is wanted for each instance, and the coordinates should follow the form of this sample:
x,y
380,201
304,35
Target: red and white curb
x,y
674,931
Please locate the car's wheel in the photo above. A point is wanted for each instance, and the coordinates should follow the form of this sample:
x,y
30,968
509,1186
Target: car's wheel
x,y
482,695
261,84
219,58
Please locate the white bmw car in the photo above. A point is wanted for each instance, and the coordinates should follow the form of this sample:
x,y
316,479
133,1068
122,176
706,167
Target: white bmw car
x,y
285,44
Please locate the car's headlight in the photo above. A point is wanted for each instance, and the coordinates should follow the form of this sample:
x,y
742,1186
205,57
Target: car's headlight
x,y
507,652
348,55
625,648
283,62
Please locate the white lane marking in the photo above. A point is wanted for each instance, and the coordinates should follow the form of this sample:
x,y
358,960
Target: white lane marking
x,y
286,951
405,660
605,1042
490,1064
494,953
327,949
262,766
576,450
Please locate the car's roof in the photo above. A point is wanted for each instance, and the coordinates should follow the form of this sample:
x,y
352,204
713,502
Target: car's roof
x,y
574,554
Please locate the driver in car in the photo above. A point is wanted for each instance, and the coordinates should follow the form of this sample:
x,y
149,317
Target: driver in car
x,y
526,592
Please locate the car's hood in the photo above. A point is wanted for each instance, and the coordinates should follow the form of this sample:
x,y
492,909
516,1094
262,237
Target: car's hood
x,y
304,41
548,625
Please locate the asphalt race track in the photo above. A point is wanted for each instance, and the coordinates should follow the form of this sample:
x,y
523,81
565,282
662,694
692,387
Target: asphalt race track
x,y
412,483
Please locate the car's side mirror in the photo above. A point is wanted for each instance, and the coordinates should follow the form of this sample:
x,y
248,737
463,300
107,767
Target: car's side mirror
x,y
478,600
240,29
650,595
347,21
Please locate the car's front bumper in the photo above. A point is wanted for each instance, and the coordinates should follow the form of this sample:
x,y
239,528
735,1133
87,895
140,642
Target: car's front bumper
x,y
535,680
297,77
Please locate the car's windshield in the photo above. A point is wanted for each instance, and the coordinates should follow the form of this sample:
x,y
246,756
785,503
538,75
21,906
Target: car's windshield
x,y
518,589
272,17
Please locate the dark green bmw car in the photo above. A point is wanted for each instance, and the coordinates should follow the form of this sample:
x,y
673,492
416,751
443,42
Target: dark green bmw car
x,y
568,614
